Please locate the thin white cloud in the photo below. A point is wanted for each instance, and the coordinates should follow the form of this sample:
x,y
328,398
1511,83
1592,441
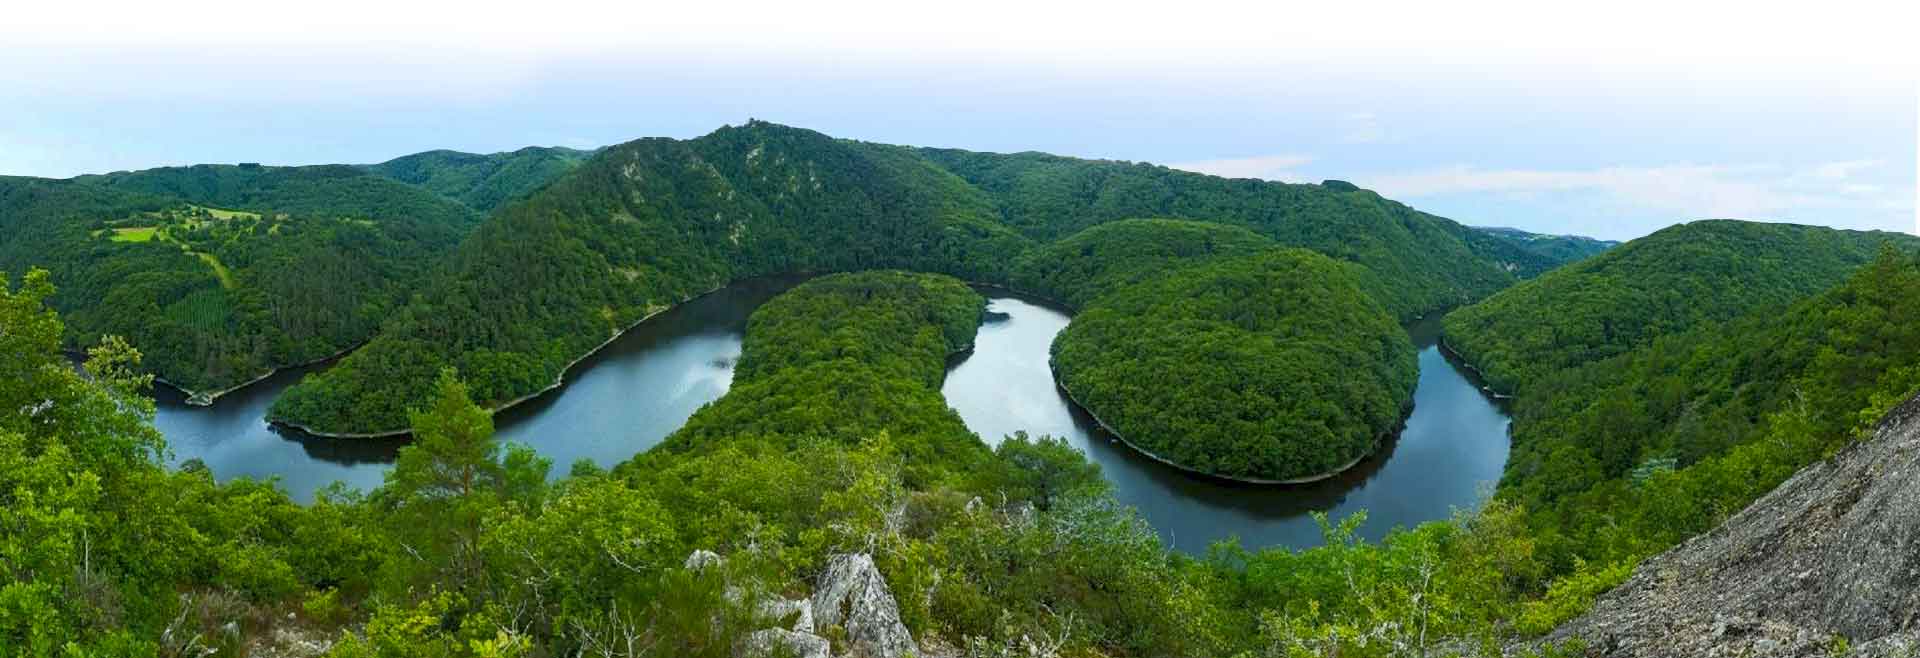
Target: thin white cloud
x,y
1270,167
1836,171
1362,128
1688,190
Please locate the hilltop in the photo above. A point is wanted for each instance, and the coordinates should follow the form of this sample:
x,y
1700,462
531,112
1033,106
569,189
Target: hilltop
x,y
644,225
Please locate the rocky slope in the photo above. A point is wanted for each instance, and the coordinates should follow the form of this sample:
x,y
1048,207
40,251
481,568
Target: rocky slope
x,y
1827,564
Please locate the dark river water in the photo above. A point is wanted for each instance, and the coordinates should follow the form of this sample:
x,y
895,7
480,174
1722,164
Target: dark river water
x,y
645,385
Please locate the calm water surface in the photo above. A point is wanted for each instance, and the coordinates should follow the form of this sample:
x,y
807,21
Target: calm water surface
x,y
645,385
616,403
1451,452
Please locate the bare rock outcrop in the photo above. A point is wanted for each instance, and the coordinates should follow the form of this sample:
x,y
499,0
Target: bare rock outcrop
x,y
853,595
701,559
782,642
1829,559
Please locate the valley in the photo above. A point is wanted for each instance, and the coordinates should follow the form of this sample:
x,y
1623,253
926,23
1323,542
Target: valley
x,y
642,387
782,352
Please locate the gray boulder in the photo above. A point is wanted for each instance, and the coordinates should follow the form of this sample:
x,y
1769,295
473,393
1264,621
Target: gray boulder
x,y
779,608
782,642
853,595
701,559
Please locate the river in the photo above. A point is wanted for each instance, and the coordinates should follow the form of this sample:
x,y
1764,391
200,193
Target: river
x,y
1449,455
644,385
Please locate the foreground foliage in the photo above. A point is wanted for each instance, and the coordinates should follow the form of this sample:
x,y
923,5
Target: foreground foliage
x,y
470,550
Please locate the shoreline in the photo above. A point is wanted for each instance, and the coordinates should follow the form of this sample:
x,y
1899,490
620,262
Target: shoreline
x,y
1308,479
1482,375
558,380
207,398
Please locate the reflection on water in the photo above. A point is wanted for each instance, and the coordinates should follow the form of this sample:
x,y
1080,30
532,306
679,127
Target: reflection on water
x,y
1453,446
622,400
645,385
233,440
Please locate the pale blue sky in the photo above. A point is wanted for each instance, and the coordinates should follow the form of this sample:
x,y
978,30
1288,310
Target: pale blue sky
x,y
1605,137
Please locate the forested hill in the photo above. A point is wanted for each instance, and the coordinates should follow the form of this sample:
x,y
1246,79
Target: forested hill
x,y
1424,262
1268,367
647,224
482,182
317,191
643,226
1673,280
1528,255
220,273
1558,249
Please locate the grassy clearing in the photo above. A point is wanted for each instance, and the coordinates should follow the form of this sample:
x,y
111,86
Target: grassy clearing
x,y
135,234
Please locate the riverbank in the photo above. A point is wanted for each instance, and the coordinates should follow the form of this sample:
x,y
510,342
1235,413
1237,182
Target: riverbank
x,y
1309,479
558,381
207,398
1477,372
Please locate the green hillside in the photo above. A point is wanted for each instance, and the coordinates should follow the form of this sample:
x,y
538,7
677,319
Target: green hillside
x,y
1550,250
645,225
835,439
848,356
1671,281
1527,255
221,273
1080,267
1420,260
1626,456
482,182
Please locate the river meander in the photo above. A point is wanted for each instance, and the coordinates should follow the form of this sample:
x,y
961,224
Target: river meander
x,y
645,385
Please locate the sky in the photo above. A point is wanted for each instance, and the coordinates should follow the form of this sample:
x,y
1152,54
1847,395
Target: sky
x,y
1606,120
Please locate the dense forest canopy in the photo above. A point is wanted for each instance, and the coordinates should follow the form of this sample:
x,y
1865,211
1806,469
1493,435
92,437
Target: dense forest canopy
x,y
469,549
1674,280
1272,366
835,438
1631,454
1421,260
482,182
1544,251
641,226
223,273
848,356
1078,268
